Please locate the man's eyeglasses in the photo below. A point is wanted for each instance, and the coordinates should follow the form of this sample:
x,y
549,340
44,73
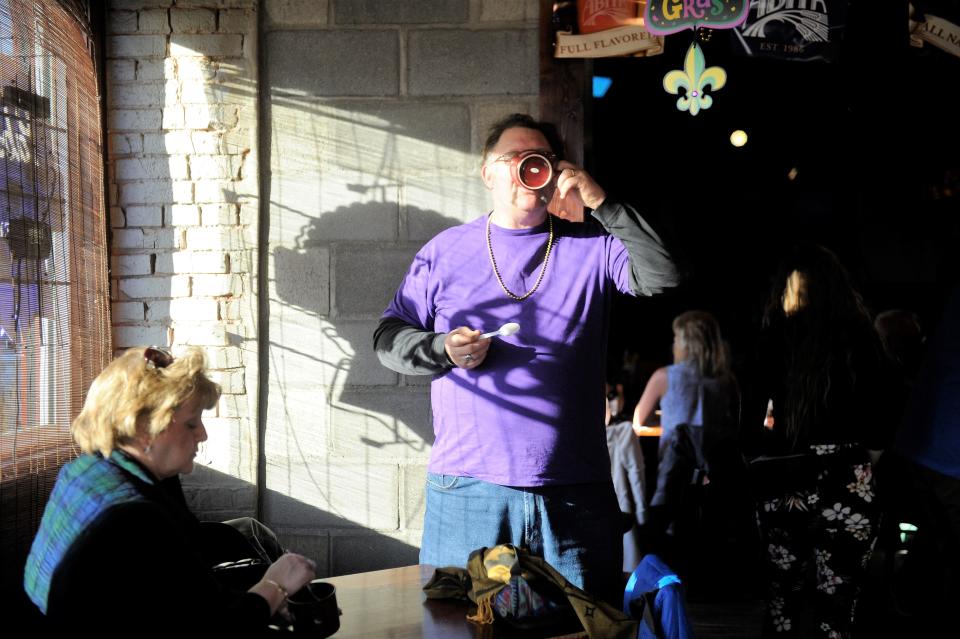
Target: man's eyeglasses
x,y
509,157
157,357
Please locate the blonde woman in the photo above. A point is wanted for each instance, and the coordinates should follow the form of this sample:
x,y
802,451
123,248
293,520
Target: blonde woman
x,y
697,387
699,468
111,533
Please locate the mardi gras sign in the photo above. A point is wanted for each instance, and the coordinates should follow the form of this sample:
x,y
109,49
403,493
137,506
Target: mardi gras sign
x,y
663,17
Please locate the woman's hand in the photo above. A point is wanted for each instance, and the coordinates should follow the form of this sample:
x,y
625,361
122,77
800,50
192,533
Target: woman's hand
x,y
285,576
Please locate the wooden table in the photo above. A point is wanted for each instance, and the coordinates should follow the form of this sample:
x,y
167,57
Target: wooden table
x,y
391,603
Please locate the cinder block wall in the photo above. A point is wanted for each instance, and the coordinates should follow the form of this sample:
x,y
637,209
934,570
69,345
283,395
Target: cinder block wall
x,y
183,193
375,115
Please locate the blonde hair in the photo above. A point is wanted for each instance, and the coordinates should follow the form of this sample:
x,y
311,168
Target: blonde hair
x,y
130,398
698,335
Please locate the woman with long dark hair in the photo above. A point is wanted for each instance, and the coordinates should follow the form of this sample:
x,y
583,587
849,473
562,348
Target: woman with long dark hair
x,y
821,381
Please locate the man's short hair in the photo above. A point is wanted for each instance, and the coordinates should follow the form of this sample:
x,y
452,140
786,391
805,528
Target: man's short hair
x,y
523,121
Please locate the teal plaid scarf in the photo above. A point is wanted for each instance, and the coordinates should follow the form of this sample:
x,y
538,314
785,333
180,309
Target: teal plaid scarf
x,y
85,489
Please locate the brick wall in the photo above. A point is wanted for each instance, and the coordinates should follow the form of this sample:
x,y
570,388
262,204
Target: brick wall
x,y
181,124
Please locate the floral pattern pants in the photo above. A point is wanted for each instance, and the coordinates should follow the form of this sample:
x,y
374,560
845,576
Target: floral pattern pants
x,y
833,521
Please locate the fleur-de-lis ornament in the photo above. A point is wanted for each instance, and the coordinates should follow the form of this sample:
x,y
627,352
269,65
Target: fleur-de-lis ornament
x,y
694,79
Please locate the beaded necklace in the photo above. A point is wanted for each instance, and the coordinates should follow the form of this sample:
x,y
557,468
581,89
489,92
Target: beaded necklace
x,y
543,267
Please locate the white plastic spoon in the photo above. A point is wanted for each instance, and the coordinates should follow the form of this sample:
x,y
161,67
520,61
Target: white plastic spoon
x,y
507,329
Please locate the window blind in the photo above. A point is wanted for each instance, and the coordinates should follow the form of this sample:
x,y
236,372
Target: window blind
x,y
54,292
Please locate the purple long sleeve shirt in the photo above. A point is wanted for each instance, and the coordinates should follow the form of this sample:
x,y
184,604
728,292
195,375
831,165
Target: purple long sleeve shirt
x,y
532,413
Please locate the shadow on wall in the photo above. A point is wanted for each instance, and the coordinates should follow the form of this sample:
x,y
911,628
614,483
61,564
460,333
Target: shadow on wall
x,y
338,545
344,390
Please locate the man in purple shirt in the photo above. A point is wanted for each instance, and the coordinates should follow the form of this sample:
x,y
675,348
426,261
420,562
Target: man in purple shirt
x,y
520,454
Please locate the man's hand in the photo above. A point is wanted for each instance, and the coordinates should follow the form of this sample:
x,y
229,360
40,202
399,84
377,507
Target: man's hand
x,y
465,348
576,184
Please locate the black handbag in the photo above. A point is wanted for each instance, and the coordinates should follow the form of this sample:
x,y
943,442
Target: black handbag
x,y
241,575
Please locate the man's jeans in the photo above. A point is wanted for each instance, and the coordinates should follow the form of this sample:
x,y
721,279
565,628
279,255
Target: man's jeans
x,y
575,528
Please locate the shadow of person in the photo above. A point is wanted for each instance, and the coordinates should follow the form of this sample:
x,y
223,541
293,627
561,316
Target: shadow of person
x,y
353,378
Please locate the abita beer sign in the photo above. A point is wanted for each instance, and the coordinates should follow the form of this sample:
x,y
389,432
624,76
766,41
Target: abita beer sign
x,y
606,28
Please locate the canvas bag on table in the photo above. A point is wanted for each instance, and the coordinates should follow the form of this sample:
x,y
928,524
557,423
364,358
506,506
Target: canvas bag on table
x,y
506,571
